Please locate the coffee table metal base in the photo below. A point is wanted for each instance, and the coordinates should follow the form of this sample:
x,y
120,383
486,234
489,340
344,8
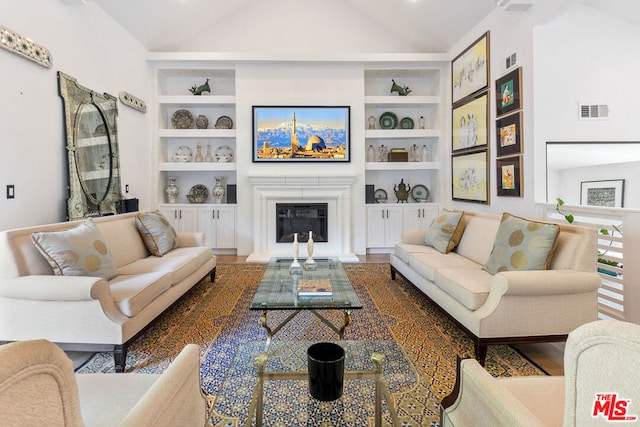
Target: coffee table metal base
x,y
376,374
272,331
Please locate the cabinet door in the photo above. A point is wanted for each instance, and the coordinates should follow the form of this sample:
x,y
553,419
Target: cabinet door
x,y
419,217
376,230
207,225
394,225
182,219
226,227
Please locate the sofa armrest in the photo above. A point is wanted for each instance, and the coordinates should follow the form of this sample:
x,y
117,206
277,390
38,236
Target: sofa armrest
x,y
55,288
188,240
413,237
483,401
545,282
176,398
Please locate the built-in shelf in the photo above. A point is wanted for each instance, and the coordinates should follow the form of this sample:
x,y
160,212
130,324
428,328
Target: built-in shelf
x,y
402,133
390,166
197,133
220,100
404,101
196,166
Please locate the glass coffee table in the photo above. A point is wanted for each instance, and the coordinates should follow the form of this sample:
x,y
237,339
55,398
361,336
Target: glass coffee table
x,y
278,290
271,388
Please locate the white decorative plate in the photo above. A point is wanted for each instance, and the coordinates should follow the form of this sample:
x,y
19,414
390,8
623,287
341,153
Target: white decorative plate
x,y
224,154
183,154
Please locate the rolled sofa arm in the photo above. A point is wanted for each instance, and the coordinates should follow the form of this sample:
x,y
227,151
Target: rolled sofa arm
x,y
176,398
54,288
483,401
413,237
545,282
189,240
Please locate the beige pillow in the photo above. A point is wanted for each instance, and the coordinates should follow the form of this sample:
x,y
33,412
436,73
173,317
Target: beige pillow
x,y
445,232
157,233
79,251
522,244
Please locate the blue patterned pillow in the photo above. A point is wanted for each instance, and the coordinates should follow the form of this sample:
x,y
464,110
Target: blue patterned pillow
x,y
522,244
445,232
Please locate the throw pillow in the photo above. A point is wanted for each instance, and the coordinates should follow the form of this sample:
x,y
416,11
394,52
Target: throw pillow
x,y
79,251
157,233
522,244
445,232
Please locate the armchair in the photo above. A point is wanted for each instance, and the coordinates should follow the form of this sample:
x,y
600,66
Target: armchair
x,y
38,387
601,383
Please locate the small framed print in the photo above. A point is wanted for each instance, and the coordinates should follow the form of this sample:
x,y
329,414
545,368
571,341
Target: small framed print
x,y
509,176
509,135
509,92
470,177
470,122
609,193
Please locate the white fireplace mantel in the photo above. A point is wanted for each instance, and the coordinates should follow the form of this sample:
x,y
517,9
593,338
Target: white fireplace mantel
x,y
335,190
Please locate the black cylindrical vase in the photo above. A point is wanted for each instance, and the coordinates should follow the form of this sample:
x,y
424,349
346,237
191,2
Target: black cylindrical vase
x,y
326,371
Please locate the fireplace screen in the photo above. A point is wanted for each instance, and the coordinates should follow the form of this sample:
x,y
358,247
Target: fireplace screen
x,y
301,218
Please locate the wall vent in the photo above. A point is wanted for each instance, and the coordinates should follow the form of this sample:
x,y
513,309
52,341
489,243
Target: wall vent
x,y
593,111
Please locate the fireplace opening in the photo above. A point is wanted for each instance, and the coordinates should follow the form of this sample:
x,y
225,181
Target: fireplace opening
x,y
301,218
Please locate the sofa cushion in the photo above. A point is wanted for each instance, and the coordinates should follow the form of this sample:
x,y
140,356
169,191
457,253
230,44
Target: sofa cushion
x,y
469,287
180,262
426,263
78,251
478,237
445,231
132,293
522,244
404,251
157,233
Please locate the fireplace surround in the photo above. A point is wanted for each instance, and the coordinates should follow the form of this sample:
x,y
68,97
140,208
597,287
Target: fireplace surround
x,y
334,191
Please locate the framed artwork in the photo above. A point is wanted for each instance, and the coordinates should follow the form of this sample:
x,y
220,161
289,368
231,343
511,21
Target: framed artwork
x,y
509,176
301,134
509,92
470,124
470,177
470,69
509,135
609,193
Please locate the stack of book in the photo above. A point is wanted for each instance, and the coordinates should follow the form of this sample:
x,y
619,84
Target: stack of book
x,y
314,288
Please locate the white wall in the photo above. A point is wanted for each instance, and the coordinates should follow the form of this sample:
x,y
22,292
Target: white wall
x,y
86,44
294,84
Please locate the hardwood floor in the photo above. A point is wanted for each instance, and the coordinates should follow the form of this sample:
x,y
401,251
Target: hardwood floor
x,y
548,356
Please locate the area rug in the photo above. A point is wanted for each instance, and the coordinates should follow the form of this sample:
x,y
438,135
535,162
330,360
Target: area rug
x,y
216,316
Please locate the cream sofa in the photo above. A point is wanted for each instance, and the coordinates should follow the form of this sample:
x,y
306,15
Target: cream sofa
x,y
38,388
511,306
600,358
90,313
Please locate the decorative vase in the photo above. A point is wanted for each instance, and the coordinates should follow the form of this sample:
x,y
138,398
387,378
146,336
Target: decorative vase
x,y
421,123
382,153
372,122
209,157
202,122
199,157
371,154
425,155
310,261
172,190
296,248
218,190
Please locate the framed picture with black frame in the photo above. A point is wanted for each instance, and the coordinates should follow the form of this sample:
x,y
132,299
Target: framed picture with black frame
x,y
509,92
301,134
608,192
509,176
509,135
470,70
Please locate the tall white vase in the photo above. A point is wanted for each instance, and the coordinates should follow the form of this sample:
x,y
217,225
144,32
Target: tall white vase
x,y
310,249
296,250
218,190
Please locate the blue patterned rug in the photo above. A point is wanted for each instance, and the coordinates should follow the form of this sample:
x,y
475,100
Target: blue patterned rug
x,y
217,317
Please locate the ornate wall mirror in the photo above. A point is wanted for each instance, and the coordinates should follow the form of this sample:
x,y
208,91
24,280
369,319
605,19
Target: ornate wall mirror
x,y
92,151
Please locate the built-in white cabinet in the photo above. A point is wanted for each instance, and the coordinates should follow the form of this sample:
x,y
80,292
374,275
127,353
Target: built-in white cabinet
x,y
183,218
386,221
218,223
384,225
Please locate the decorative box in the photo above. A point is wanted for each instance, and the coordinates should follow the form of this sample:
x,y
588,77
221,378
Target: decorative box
x,y
398,156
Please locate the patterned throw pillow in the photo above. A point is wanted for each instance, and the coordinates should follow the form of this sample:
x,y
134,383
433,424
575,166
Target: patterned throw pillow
x,y
157,233
445,232
522,244
79,251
